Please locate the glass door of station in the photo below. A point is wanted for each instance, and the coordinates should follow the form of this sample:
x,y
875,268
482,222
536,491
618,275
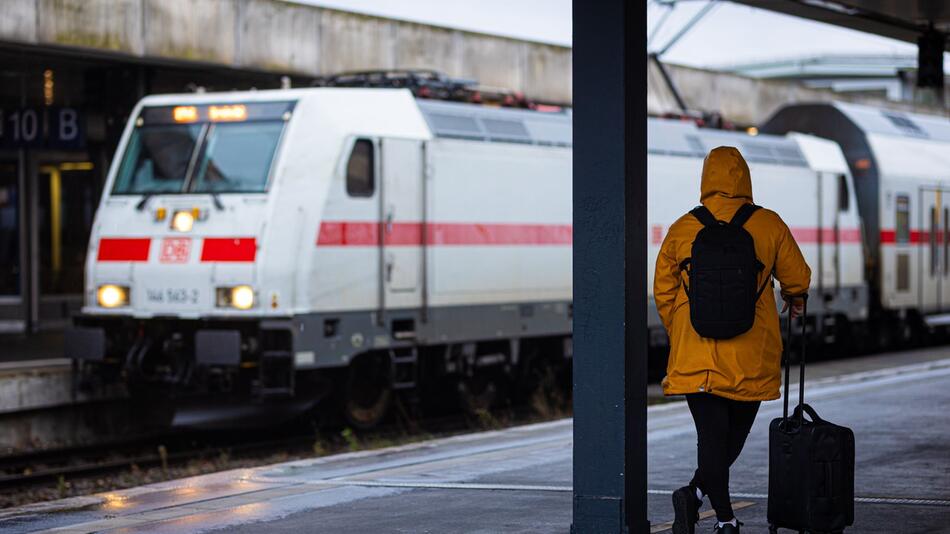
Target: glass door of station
x,y
12,304
65,201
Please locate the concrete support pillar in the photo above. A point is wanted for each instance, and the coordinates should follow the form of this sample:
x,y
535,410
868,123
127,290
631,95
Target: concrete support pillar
x,y
610,359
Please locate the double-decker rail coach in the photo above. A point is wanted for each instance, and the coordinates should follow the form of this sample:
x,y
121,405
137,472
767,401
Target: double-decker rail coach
x,y
270,251
901,166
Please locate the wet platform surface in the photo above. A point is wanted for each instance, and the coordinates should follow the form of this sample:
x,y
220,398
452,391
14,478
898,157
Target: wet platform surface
x,y
519,479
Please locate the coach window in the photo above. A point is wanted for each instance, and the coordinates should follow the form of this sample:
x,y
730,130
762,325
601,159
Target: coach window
x,y
946,240
902,220
360,174
933,240
844,201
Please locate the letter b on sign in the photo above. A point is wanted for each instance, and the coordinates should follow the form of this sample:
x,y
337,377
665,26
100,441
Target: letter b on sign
x,y
68,125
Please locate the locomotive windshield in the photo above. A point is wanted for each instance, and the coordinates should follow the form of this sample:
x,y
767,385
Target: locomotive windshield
x,y
156,159
237,157
202,149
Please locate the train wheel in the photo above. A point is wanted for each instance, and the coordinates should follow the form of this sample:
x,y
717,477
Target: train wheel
x,y
368,394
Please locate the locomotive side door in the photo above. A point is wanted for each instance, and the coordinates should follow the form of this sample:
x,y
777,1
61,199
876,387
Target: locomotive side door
x,y
931,253
827,267
943,243
401,222
841,205
834,203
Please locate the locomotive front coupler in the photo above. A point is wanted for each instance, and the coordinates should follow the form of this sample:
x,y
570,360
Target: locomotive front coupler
x,y
207,355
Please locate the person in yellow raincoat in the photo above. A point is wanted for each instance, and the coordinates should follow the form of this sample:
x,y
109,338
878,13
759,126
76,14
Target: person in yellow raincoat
x,y
724,380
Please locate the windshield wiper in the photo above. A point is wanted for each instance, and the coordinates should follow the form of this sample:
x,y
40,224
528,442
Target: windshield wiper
x,y
217,200
141,205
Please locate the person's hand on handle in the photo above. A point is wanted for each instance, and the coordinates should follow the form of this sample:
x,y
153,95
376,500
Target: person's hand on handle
x,y
798,307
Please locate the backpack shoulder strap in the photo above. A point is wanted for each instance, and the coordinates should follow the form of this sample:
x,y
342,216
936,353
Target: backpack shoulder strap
x,y
704,215
743,213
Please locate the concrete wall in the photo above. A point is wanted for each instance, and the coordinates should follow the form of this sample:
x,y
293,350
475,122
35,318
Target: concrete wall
x,y
38,408
284,38
191,30
288,38
112,26
18,20
297,49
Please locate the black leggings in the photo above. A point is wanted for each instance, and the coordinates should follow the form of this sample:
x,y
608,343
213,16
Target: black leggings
x,y
722,426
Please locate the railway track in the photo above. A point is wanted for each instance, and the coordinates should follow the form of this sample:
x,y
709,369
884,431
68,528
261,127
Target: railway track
x,y
88,461
167,451
48,464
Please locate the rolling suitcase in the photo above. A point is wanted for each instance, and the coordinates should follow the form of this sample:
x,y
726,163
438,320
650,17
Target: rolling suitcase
x,y
811,465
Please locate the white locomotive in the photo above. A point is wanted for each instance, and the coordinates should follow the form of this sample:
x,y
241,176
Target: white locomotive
x,y
342,244
249,245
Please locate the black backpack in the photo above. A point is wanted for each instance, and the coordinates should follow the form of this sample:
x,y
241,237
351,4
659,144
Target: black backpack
x,y
723,275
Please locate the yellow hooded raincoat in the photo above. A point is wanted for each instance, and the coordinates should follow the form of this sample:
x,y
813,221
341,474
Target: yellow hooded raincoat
x,y
746,367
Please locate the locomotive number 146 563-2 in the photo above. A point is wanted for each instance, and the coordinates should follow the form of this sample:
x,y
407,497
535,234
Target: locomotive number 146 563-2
x,y
172,295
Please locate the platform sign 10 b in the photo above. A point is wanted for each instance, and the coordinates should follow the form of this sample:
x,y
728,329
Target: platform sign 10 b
x,y
41,128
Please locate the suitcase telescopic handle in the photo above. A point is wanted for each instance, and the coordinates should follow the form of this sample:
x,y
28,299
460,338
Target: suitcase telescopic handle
x,y
801,363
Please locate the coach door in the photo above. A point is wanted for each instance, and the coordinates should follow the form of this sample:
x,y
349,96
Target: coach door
x,y
943,243
401,222
931,250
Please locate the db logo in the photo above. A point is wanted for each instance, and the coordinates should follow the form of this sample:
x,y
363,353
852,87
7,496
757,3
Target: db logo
x,y
175,250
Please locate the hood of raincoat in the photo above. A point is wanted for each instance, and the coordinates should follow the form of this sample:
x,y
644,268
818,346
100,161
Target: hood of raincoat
x,y
726,175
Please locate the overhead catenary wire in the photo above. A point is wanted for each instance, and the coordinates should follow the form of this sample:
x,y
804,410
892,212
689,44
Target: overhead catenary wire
x,y
655,56
659,24
712,4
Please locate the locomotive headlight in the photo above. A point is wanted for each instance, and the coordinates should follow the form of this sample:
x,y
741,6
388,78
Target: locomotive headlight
x,y
112,296
240,297
182,221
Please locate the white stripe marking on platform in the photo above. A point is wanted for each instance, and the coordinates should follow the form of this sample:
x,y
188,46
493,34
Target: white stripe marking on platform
x,y
565,489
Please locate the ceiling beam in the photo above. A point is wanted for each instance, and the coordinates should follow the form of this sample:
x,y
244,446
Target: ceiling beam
x,y
846,15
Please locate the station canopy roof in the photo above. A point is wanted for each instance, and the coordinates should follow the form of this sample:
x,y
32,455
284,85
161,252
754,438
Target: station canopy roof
x,y
838,66
904,20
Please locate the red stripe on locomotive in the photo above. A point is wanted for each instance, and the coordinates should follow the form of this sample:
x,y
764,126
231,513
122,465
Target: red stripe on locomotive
x,y
234,249
123,249
810,235
410,234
